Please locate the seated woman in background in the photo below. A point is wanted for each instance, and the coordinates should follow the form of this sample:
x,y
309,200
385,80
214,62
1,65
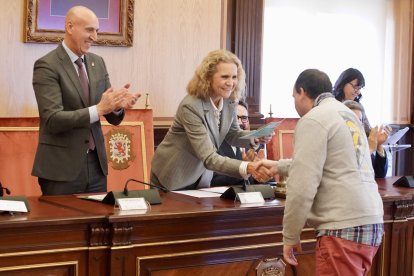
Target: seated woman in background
x,y
205,117
375,140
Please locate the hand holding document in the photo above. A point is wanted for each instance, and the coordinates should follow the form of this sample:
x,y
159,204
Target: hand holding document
x,y
264,131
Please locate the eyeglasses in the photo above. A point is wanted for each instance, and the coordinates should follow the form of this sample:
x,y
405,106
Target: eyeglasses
x,y
356,87
244,119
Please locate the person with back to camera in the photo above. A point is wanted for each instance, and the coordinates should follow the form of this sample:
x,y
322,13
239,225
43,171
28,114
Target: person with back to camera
x,y
331,184
375,140
348,88
205,118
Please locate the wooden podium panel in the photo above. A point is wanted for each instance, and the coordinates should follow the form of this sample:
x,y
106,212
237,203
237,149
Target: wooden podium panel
x,y
140,123
64,235
48,240
281,146
19,138
18,143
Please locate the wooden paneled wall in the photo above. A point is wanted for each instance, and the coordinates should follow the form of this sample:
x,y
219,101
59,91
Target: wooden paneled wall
x,y
171,37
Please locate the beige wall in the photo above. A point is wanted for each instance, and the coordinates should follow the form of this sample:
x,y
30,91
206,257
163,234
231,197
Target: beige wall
x,y
170,39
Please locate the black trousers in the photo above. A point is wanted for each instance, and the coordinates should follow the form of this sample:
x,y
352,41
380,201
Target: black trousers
x,y
90,179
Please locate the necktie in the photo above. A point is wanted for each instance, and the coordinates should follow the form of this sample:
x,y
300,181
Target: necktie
x,y
239,155
85,85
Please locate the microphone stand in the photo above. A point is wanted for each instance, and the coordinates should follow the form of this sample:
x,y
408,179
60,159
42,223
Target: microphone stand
x,y
3,188
126,192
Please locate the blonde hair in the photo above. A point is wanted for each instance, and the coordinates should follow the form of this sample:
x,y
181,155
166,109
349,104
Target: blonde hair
x,y
199,86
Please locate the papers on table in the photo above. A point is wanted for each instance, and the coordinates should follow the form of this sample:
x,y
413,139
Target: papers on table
x,y
197,193
93,197
219,190
396,137
264,131
11,205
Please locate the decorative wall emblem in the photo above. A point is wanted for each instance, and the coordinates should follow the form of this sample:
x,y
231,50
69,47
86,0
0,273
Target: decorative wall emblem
x,y
119,149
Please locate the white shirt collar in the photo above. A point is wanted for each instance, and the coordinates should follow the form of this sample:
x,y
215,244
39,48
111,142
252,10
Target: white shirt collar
x,y
217,110
73,57
220,105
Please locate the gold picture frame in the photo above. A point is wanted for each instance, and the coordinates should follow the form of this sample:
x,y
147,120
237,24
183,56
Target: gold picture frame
x,y
122,38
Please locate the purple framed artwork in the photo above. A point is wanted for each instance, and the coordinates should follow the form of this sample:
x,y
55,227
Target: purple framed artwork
x,y
45,20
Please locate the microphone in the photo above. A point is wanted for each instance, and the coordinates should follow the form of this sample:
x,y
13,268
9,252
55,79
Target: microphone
x,y
3,188
126,193
245,185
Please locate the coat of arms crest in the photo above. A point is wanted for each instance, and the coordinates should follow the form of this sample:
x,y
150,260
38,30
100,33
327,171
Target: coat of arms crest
x,y
119,148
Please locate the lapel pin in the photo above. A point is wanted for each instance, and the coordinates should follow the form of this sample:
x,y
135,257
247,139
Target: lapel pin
x,y
93,64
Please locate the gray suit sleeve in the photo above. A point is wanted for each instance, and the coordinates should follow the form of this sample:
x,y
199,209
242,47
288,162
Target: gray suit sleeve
x,y
112,118
47,88
205,150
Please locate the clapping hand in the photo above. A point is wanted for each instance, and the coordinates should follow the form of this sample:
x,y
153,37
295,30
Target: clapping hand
x,y
377,137
115,100
252,155
383,134
127,100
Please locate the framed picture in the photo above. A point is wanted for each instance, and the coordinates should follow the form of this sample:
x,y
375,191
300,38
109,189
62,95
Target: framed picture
x,y
45,20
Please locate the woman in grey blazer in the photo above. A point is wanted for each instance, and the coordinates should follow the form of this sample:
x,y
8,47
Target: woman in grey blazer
x,y
206,117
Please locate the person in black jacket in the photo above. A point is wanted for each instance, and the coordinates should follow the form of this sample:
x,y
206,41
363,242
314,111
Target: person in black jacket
x,y
236,152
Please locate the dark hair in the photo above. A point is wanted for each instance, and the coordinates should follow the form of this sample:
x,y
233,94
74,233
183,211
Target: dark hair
x,y
244,104
314,82
347,76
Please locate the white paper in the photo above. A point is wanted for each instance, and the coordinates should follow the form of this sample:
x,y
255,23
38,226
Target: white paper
x,y
253,197
94,197
11,205
197,193
132,212
258,204
219,190
264,131
396,137
137,203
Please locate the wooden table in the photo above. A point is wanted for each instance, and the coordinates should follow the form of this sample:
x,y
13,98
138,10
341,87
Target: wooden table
x,y
64,235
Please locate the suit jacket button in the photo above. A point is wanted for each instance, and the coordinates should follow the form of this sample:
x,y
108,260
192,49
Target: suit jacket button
x,y
86,141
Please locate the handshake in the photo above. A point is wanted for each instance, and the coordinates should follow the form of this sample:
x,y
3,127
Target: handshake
x,y
259,167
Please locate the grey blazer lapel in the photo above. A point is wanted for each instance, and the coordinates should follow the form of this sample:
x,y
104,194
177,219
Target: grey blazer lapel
x,y
211,121
71,71
90,68
226,118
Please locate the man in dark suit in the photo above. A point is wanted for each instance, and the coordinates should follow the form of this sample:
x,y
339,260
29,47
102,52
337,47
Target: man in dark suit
x,y
73,90
236,152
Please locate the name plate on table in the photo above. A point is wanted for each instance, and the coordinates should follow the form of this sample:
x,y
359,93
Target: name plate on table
x,y
137,203
248,198
13,206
